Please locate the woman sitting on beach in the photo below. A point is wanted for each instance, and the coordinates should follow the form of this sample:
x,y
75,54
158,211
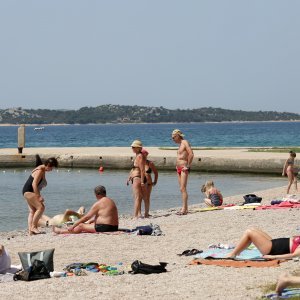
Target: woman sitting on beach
x,y
213,196
137,177
68,217
31,192
290,171
149,168
280,248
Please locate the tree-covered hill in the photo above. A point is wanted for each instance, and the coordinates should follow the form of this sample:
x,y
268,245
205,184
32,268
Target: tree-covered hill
x,y
137,114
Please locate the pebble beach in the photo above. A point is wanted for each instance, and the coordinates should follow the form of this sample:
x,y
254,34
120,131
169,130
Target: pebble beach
x,y
182,281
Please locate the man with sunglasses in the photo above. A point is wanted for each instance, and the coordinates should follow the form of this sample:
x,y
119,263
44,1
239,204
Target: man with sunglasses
x,y
184,160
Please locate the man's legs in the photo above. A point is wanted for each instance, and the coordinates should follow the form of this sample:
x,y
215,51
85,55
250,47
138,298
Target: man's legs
x,y
78,229
182,181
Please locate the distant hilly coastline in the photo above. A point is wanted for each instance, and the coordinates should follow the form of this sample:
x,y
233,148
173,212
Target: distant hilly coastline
x,y
137,114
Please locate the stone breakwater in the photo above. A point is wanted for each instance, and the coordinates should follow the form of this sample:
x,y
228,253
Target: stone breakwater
x,y
216,160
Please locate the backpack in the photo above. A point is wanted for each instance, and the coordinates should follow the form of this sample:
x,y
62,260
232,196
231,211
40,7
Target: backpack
x,y
252,198
36,271
140,268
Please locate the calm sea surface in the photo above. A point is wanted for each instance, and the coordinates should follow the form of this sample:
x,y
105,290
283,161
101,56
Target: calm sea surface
x,y
74,188
199,134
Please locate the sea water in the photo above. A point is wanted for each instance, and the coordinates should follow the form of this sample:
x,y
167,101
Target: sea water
x,y
199,134
72,188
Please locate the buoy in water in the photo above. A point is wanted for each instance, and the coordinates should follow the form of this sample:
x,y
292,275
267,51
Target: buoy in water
x,y
101,169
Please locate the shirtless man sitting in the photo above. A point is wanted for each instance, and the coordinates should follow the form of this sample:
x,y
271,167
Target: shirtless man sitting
x,y
103,213
184,160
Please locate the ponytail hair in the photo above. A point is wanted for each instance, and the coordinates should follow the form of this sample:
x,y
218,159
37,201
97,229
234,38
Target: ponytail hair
x,y
38,160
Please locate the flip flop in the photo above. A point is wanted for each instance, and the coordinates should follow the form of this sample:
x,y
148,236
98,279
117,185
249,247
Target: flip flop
x,y
190,252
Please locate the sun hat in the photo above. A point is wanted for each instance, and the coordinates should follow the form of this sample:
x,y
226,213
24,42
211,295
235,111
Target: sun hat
x,y
137,144
177,132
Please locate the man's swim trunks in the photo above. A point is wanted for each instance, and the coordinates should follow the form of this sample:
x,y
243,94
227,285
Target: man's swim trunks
x,y
181,169
106,228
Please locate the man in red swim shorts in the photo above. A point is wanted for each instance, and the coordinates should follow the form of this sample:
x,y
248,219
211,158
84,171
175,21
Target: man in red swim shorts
x,y
184,160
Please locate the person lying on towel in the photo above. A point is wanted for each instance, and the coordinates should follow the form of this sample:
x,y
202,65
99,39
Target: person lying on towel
x,y
280,248
103,214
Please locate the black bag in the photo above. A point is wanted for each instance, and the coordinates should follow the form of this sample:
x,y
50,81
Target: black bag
x,y
37,271
27,258
252,198
140,268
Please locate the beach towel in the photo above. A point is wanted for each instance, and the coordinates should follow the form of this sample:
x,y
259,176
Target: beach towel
x,y
204,209
248,254
282,205
286,293
236,263
246,206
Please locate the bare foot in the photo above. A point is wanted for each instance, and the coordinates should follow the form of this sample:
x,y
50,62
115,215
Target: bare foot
x,y
81,210
34,231
283,282
55,229
230,255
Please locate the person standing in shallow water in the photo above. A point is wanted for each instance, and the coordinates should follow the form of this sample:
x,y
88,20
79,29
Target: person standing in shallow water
x,y
137,177
149,168
184,160
32,191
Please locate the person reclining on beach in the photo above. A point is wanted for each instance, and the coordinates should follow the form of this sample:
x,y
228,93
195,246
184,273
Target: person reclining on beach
x,y
69,216
104,213
280,248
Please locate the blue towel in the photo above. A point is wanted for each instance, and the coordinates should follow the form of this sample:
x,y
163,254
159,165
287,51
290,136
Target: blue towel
x,y
287,293
247,254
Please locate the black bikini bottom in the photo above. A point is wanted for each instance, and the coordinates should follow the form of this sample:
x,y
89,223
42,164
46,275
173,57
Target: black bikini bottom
x,y
106,228
280,246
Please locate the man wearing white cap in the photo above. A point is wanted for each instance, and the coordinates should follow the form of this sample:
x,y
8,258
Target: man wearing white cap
x,y
184,160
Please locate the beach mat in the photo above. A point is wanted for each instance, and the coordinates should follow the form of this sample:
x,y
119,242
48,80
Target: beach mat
x,y
236,263
282,205
248,254
286,294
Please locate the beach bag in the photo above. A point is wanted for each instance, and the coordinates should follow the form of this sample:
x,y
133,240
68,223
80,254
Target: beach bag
x,y
36,271
140,268
46,256
144,230
252,198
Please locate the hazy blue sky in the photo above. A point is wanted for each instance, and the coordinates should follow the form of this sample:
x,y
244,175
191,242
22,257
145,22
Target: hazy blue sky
x,y
177,54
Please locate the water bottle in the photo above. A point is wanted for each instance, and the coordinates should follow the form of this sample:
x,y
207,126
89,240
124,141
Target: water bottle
x,y
58,274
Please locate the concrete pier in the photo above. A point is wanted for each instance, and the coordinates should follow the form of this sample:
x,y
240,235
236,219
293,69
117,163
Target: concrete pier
x,y
216,160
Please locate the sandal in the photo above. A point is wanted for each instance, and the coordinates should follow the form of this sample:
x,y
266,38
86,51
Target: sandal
x,y
190,252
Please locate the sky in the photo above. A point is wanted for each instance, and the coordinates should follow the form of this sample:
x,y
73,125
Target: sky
x,y
233,54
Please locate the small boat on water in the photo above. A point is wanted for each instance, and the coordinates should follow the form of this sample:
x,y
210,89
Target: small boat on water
x,y
39,128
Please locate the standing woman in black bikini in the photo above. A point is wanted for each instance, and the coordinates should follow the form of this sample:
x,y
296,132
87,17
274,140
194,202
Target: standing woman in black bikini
x,y
31,192
137,177
149,168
